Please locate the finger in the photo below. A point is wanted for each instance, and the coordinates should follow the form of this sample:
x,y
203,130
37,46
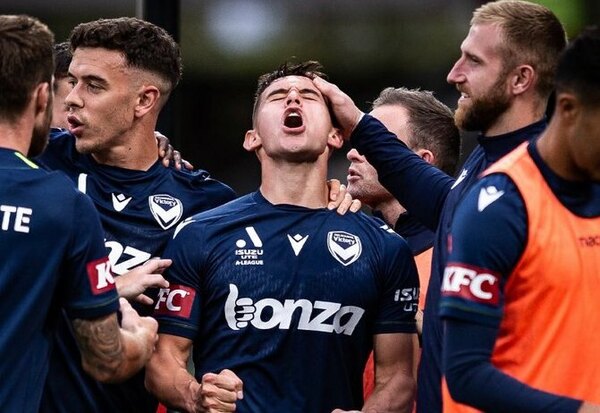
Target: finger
x,y
162,142
334,188
144,299
157,265
168,156
154,281
177,159
187,165
239,385
355,206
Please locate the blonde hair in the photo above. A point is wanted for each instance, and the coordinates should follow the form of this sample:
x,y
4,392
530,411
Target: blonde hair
x,y
532,35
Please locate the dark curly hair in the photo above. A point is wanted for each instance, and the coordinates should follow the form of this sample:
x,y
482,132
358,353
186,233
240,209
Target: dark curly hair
x,y
144,45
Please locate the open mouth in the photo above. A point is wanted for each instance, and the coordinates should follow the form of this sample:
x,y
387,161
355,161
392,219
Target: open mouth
x,y
293,120
75,125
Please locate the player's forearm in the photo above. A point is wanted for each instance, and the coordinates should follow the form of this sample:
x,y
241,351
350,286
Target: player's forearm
x,y
100,345
173,386
394,395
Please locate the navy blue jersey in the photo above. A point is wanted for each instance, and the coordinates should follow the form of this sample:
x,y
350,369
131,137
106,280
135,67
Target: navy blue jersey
x,y
52,256
139,211
288,298
431,196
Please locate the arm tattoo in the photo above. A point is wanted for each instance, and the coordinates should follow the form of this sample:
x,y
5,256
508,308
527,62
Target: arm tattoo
x,y
100,344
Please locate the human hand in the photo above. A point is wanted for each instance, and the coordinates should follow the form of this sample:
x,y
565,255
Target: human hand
x,y
133,283
220,392
168,153
345,111
340,199
144,329
346,411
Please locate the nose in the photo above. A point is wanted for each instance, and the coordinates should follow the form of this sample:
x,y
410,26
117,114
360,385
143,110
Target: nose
x,y
456,74
293,96
73,99
354,156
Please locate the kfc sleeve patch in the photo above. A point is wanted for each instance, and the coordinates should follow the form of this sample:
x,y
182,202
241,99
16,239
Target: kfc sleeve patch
x,y
471,283
175,301
100,276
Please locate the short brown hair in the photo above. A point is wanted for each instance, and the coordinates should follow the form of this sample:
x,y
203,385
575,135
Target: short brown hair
x,y
310,69
25,61
144,45
533,35
431,124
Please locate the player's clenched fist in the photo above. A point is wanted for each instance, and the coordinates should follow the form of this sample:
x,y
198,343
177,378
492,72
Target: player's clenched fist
x,y
220,392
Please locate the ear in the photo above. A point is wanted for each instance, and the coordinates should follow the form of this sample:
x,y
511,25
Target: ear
x,y
41,99
252,141
147,99
522,79
426,155
567,107
335,138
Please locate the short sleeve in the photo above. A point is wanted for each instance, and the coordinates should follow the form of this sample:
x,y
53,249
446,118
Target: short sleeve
x,y
178,307
399,286
87,279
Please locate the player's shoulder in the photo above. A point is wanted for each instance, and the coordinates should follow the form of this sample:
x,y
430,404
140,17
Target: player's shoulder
x,y
233,210
200,179
490,192
379,232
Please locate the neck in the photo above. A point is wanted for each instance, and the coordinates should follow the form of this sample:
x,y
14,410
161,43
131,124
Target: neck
x,y
137,149
521,113
303,184
554,150
16,135
390,209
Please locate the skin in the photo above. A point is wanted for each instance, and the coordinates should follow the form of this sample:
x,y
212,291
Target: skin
x,y
59,110
494,100
113,109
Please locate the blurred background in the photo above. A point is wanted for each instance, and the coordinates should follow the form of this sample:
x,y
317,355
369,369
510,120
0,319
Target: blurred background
x,y
365,46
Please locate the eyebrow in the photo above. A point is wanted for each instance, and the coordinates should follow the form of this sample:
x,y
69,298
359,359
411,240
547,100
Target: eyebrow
x,y
305,91
90,78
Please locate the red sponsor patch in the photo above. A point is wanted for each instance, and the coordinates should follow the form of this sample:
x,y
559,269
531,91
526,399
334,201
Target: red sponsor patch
x,y
177,300
471,283
100,276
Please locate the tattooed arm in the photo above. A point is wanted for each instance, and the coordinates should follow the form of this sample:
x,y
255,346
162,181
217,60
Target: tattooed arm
x,y
110,353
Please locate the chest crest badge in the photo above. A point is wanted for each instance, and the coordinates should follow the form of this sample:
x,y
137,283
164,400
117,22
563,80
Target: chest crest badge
x,y
166,210
344,247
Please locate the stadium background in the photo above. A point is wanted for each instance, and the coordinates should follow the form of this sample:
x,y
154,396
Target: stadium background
x,y
364,46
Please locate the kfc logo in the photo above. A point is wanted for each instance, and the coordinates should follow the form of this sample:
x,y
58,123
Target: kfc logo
x,y
100,276
471,283
175,301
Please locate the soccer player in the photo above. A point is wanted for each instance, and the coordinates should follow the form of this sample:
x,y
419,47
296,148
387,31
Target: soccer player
x,y
427,127
51,245
505,76
521,288
121,75
282,294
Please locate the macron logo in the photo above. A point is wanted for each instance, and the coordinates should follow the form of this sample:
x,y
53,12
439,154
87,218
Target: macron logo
x,y
488,196
297,242
120,201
